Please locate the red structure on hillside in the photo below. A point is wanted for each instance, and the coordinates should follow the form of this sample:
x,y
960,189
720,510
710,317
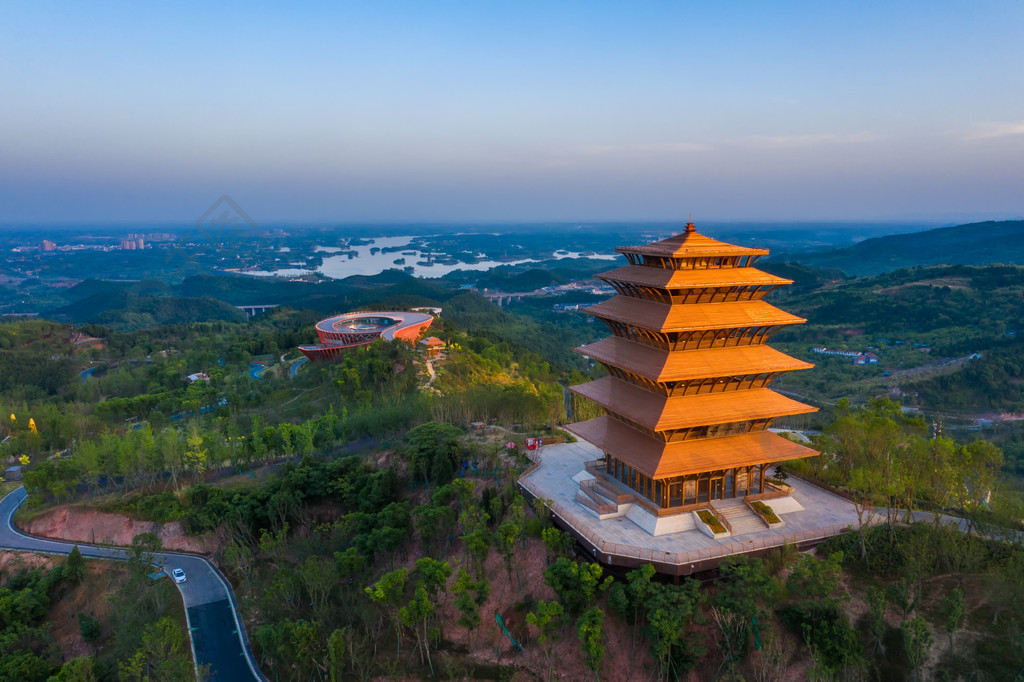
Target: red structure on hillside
x,y
343,332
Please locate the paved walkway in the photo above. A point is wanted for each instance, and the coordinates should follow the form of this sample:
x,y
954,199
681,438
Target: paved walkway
x,y
296,366
217,633
553,480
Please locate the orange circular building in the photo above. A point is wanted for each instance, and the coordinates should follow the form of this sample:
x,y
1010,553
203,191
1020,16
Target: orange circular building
x,y
351,330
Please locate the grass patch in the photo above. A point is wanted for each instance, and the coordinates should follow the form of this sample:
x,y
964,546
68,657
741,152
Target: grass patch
x,y
713,523
8,487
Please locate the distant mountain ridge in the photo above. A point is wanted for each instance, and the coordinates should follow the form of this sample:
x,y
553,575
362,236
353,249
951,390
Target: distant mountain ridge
x,y
971,244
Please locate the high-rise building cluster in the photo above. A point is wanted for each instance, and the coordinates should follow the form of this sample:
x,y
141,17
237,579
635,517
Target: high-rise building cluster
x,y
133,242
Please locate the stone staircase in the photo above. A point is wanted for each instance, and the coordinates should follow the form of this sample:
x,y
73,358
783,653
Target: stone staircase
x,y
739,516
600,498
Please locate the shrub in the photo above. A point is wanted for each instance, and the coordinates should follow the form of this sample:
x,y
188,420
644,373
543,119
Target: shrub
x,y
89,627
766,512
160,508
712,521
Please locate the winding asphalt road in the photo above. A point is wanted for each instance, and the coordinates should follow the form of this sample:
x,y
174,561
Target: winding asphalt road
x,y
218,636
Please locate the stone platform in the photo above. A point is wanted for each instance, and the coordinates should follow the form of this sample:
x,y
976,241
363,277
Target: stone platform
x,y
674,544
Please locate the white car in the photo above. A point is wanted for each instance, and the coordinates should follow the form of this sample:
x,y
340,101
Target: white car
x,y
178,575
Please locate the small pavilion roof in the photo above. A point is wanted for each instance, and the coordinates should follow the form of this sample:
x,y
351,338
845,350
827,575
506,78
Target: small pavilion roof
x,y
688,279
661,413
691,244
662,365
660,460
664,317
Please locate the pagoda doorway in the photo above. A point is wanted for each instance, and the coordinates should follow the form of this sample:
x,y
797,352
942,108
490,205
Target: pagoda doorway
x,y
717,488
675,493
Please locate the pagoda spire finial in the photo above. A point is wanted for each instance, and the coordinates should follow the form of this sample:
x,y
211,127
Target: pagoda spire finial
x,y
690,227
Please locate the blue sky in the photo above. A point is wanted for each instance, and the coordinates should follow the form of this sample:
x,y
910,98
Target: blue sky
x,y
512,111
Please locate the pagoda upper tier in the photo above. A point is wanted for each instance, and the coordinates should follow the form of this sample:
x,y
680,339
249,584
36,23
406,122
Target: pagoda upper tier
x,y
691,250
693,286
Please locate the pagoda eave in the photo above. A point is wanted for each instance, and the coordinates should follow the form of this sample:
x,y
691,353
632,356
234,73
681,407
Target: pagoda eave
x,y
658,460
661,413
661,365
685,279
664,317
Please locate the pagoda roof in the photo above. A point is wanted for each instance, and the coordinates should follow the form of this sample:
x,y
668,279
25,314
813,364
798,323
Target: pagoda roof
x,y
691,244
661,413
665,317
662,460
686,279
662,365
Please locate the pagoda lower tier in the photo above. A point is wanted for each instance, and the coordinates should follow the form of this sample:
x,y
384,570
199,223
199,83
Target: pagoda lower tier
x,y
688,472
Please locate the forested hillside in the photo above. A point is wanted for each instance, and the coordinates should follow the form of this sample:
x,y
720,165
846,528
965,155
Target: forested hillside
x,y
972,244
129,311
946,338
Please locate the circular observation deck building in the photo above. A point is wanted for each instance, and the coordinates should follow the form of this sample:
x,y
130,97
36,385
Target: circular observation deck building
x,y
341,333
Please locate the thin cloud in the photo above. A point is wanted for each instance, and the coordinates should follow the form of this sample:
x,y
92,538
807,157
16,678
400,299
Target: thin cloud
x,y
990,130
657,148
796,141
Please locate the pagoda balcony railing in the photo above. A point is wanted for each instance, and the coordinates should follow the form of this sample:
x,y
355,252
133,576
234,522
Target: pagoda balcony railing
x,y
706,294
771,492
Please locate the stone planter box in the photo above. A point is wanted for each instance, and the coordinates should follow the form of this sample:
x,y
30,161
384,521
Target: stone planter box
x,y
706,529
778,524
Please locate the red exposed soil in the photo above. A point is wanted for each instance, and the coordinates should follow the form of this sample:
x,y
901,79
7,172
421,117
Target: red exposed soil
x,y
11,562
82,524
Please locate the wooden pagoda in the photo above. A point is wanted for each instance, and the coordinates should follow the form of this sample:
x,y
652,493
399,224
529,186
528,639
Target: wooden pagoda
x,y
687,398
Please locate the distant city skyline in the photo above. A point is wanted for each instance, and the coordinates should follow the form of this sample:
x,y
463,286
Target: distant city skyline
x,y
512,112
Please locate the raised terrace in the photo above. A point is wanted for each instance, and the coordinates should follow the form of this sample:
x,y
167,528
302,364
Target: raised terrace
x,y
627,538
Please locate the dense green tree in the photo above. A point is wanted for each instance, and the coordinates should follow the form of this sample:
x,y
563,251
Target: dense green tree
x,y
81,669
74,566
746,592
548,617
628,599
433,451
917,639
164,655
590,630
671,611
576,584
953,610
469,596
388,592
877,625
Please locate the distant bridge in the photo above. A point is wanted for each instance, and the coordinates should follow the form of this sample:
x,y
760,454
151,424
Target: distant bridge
x,y
500,298
257,308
